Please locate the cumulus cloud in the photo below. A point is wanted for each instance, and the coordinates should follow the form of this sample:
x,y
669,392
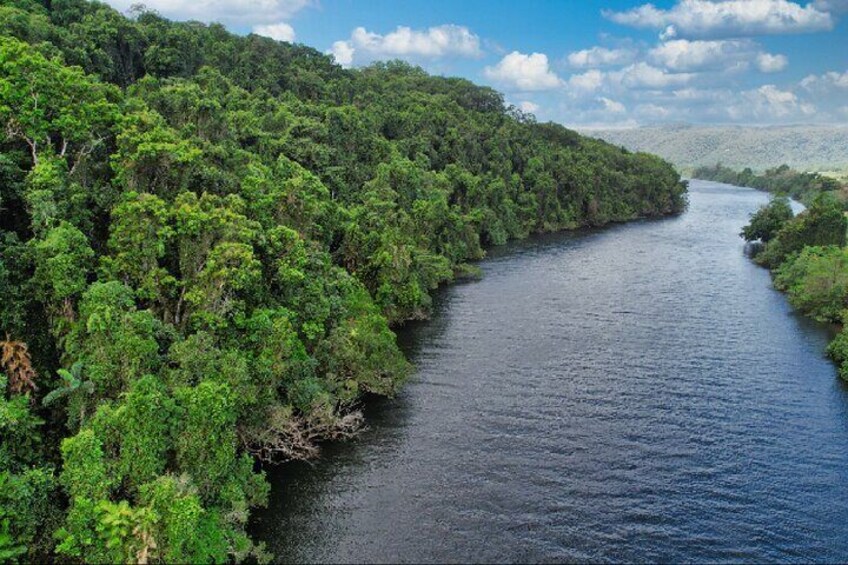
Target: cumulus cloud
x,y
670,32
600,57
684,55
816,99
827,81
342,52
528,107
769,102
612,106
643,75
407,43
652,111
691,95
279,31
524,72
231,12
725,18
588,82
769,63
699,55
634,77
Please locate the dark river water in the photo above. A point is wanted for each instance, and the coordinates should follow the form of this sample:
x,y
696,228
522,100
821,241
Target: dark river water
x,y
637,393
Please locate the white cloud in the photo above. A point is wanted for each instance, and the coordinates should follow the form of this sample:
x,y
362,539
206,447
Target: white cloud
x,y
827,81
685,55
652,111
404,42
528,107
280,31
769,63
589,81
643,75
727,54
691,95
600,56
232,12
770,102
612,106
625,81
706,99
670,32
724,18
524,72
342,52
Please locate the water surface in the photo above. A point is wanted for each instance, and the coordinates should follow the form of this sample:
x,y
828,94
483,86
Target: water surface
x,y
637,393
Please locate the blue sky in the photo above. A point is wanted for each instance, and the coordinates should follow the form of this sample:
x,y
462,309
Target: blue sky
x,y
608,63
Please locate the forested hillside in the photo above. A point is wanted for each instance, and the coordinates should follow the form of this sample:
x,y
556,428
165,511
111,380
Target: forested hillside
x,y
204,241
802,147
782,180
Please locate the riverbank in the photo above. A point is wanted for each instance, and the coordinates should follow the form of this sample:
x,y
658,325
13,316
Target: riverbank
x,y
808,260
782,180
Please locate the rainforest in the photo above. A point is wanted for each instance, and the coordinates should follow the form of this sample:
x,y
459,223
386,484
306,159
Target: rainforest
x,y
206,240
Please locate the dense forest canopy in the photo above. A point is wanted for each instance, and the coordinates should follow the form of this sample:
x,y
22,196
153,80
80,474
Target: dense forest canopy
x,y
204,241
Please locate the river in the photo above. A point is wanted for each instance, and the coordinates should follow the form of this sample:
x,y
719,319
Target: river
x,y
635,393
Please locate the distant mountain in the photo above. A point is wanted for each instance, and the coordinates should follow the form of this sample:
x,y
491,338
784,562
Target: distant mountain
x,y
802,147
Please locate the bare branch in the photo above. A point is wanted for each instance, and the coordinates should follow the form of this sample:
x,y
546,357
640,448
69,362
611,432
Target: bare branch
x,y
286,437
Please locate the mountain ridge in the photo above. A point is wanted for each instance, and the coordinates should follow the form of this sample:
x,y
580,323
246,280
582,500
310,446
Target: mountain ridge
x,y
806,147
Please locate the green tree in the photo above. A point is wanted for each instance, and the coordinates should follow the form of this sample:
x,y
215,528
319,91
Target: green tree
x,y
147,419
51,107
767,221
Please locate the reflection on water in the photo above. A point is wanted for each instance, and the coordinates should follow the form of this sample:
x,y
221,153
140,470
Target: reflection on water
x,y
631,394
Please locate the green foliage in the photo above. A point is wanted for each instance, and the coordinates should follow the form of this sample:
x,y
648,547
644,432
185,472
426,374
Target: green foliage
x,y
809,260
77,390
823,223
146,419
19,430
185,531
114,340
779,180
151,156
138,240
15,287
29,510
84,470
49,106
206,443
10,548
204,241
767,221
816,281
838,351
360,353
124,531
63,261
107,532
